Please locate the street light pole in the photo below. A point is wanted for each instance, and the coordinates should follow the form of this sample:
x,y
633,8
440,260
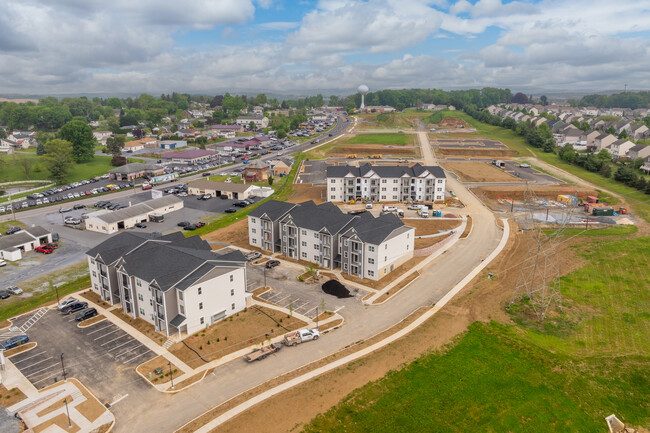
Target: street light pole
x,y
171,374
63,367
65,400
56,288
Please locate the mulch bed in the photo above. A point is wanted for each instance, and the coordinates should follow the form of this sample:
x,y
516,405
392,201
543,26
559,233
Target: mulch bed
x,y
335,288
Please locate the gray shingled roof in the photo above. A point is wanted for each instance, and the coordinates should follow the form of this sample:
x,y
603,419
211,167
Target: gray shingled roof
x,y
274,209
324,216
136,167
135,210
379,229
37,231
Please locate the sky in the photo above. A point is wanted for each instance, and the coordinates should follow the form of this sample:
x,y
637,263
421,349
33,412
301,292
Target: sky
x,y
322,46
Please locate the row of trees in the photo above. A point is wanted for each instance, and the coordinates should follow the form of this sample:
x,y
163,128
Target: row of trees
x,y
631,100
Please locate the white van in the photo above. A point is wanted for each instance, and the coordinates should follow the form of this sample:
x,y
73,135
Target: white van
x,y
424,212
369,205
389,209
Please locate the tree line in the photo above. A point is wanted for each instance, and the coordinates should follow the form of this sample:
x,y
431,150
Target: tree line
x,y
631,100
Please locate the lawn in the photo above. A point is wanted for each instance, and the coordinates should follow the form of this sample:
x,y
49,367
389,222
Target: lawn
x,y
529,378
388,138
364,145
4,226
11,171
494,381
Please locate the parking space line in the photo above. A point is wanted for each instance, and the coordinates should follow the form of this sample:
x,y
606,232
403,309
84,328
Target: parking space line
x,y
97,330
36,363
129,350
113,348
135,357
298,308
309,311
46,377
71,319
109,333
121,336
25,359
42,369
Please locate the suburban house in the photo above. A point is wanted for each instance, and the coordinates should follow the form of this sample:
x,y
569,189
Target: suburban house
x,y
281,167
189,156
143,143
6,147
260,122
377,109
257,170
172,144
102,136
638,131
228,128
135,170
603,141
13,246
381,183
619,148
646,165
639,151
109,222
175,283
361,245
232,190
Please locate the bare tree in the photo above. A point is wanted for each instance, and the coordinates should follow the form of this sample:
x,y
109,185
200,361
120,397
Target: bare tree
x,y
26,164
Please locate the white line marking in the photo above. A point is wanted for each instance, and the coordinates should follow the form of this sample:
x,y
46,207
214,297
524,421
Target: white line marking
x,y
25,359
309,311
135,357
339,309
116,401
109,333
36,363
129,350
97,330
121,336
45,378
33,373
113,348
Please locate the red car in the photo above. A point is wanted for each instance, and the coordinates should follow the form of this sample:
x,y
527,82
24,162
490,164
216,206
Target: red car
x,y
44,249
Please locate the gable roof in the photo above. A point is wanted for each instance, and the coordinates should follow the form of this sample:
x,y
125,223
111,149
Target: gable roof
x,y
220,186
274,209
378,230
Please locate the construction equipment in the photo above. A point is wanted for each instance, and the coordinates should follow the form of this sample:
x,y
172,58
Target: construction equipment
x,y
351,156
376,156
259,354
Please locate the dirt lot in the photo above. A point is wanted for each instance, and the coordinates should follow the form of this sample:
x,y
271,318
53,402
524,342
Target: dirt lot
x,y
476,152
365,150
452,122
418,244
431,226
251,326
482,300
542,191
306,191
236,234
9,397
479,172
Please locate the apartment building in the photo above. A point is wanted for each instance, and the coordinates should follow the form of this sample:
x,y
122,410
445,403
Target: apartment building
x,y
175,283
385,183
360,245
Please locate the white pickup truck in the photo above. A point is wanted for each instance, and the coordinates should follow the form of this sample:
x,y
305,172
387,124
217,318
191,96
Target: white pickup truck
x,y
301,336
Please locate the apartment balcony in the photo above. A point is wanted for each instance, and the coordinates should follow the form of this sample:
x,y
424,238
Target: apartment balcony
x,y
103,273
159,300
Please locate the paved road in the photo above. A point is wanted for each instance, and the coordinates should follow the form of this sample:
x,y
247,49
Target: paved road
x,y
167,413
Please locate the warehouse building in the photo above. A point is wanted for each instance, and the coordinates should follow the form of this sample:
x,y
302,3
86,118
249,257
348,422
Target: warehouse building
x,y
109,222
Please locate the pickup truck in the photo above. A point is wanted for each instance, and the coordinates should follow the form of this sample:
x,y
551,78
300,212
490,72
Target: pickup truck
x,y
261,353
301,336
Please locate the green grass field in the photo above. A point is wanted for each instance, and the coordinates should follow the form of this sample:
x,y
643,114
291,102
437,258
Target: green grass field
x,y
519,378
387,138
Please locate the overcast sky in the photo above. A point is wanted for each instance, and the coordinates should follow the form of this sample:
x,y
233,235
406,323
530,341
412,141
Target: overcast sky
x,y
297,46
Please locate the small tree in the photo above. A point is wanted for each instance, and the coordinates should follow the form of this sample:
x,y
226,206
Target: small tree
x,y
114,145
26,165
58,159
251,126
270,180
40,149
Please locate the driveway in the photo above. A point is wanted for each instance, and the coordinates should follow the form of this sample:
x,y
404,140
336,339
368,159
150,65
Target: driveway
x,y
101,356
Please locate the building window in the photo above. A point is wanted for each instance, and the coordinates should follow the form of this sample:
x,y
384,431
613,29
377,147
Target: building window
x,y
345,266
395,180
345,254
333,189
383,197
232,306
371,248
316,259
202,320
151,302
232,278
439,189
407,247
385,258
142,311
332,197
200,305
371,273
140,297
316,235
304,232
333,181
386,246
383,189
200,291
384,181
138,282
232,292
345,242
254,230
182,309
303,243
304,255
94,274
92,261
395,189
371,260
180,295
253,221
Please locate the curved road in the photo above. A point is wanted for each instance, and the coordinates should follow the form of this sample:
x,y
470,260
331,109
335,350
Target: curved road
x,y
154,411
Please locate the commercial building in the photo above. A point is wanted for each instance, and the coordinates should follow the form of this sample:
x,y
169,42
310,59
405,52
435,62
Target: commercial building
x,y
189,156
13,246
173,144
385,183
257,170
232,190
143,143
109,222
135,170
175,283
360,245
260,122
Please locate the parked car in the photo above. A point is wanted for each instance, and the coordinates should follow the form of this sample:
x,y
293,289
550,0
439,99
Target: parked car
x,y
80,206
67,302
199,224
65,209
189,227
74,307
272,264
230,210
43,249
16,341
85,314
240,204
253,255
4,294
12,230
2,263
141,225
14,290
183,223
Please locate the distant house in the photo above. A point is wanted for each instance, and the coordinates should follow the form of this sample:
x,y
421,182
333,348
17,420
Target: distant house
x,y
256,170
639,151
13,246
619,148
233,128
172,144
143,143
281,167
377,109
102,136
189,156
603,141
590,137
260,122
638,131
135,170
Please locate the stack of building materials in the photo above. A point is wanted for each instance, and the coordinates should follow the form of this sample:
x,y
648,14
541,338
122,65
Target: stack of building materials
x,y
568,200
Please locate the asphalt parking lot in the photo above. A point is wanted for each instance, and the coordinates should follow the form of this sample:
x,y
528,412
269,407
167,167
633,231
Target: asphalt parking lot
x,y
530,174
315,172
286,291
102,355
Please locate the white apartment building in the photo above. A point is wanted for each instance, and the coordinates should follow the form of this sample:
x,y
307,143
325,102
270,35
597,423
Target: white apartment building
x,y
175,283
385,183
360,245
260,122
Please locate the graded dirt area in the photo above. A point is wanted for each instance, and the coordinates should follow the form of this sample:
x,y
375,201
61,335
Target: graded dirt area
x,y
234,333
342,149
452,123
483,299
476,152
478,172
542,191
431,226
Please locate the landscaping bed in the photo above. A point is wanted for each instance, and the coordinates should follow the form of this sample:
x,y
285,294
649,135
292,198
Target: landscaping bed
x,y
20,349
252,326
9,397
389,278
419,244
95,298
89,322
148,368
479,172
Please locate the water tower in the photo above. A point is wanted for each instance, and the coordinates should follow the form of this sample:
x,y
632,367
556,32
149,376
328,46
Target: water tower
x,y
363,89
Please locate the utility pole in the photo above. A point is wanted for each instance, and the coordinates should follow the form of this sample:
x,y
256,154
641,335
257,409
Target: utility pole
x,y
13,212
171,374
63,367
58,301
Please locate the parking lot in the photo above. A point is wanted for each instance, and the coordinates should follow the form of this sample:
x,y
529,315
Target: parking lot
x,y
529,173
287,292
102,355
315,172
